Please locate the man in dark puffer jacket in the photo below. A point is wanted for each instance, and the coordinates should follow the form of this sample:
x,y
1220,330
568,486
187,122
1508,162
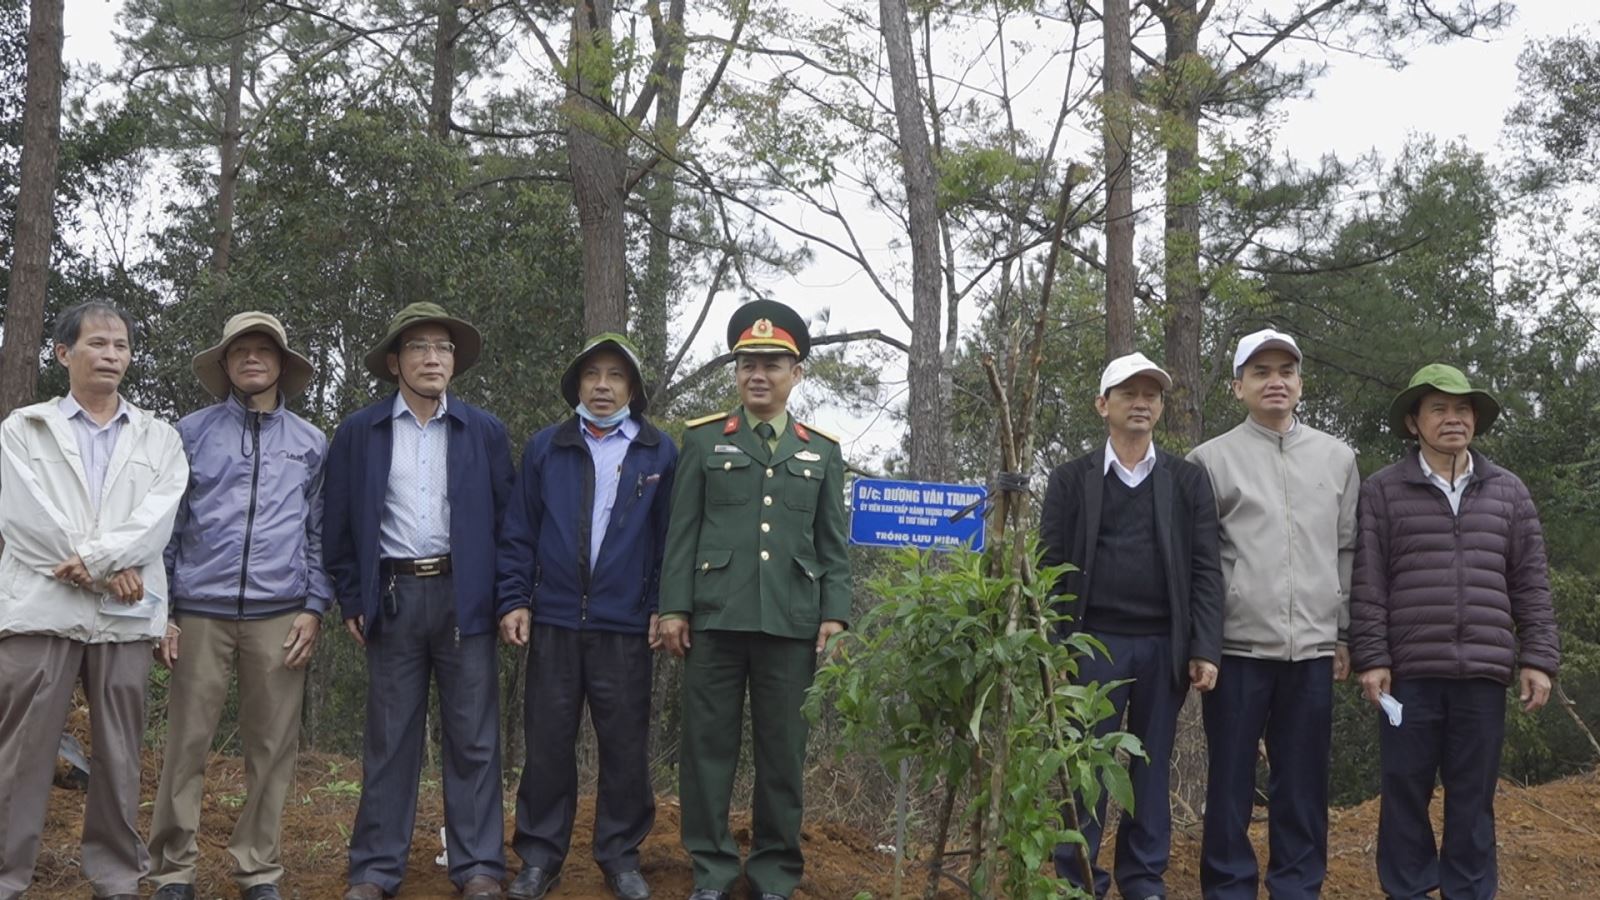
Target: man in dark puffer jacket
x,y
1451,599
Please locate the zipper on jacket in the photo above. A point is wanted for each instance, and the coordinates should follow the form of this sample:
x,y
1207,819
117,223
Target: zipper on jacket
x,y
1455,560
253,425
1461,575
1288,521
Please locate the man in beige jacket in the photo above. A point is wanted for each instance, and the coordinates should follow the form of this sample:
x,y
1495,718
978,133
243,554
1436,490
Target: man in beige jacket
x,y
89,486
1286,506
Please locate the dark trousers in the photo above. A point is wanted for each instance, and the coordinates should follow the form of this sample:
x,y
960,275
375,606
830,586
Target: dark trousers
x,y
1152,703
1291,703
417,643
777,672
611,672
1450,729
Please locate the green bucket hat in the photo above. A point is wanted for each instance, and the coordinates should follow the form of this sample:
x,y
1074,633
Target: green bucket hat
x,y
1449,380
468,340
609,340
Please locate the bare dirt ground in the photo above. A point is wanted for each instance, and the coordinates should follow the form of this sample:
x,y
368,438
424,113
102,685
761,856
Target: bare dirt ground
x,y
1549,844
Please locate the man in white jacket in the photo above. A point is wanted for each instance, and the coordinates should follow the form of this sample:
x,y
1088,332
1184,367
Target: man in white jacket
x,y
1286,506
89,486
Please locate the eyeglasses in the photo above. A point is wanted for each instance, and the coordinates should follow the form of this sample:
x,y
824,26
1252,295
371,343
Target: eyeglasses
x,y
422,348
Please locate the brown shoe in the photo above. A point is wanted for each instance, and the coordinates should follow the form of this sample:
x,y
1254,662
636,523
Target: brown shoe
x,y
364,891
481,887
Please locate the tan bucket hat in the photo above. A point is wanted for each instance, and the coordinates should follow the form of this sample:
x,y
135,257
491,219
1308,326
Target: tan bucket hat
x,y
208,363
468,340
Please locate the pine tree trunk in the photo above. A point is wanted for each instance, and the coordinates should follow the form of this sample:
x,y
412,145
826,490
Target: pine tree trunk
x,y
1118,136
596,155
228,148
655,296
35,219
1185,292
444,69
927,414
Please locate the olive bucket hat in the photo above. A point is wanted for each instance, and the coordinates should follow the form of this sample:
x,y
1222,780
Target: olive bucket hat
x,y
618,344
209,368
468,340
1446,379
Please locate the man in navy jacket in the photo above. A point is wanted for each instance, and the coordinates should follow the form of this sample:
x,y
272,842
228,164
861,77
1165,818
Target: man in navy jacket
x,y
579,565
416,490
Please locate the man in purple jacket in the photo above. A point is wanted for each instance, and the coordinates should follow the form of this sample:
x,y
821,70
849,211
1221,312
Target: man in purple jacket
x,y
1450,604
580,567
248,594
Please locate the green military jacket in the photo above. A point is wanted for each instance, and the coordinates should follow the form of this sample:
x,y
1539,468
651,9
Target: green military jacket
x,y
757,544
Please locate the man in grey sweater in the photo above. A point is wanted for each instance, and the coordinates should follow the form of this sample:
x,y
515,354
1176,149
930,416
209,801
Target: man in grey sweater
x,y
1286,505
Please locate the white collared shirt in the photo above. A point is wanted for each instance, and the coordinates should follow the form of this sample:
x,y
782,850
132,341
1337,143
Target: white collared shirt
x,y
1141,469
416,503
1452,491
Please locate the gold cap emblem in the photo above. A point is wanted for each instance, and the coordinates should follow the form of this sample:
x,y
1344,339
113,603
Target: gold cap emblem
x,y
762,328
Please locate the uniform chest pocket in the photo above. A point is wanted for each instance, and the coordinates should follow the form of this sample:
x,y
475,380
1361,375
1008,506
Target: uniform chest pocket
x,y
728,481
801,487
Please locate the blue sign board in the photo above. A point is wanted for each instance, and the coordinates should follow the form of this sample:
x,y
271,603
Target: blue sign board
x,y
885,513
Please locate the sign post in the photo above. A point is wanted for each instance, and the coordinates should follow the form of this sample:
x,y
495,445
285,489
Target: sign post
x,y
888,513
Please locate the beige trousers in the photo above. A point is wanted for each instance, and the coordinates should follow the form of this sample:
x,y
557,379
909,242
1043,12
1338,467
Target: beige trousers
x,y
37,675
270,695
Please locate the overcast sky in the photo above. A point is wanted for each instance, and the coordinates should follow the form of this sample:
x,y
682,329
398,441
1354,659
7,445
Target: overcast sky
x,y
1461,90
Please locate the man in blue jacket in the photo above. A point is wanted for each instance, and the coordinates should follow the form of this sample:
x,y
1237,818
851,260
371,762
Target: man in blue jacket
x,y
579,567
248,592
416,490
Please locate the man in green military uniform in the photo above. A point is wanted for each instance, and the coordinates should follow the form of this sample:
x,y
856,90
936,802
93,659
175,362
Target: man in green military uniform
x,y
754,582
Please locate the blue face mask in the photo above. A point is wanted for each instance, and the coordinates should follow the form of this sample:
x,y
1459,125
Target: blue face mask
x,y
604,423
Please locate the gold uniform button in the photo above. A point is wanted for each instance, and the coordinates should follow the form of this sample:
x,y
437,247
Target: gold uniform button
x,y
808,473
765,556
767,500
769,473
705,567
726,466
766,527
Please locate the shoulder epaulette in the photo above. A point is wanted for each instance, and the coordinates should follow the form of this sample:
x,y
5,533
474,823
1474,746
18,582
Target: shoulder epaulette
x,y
815,430
704,420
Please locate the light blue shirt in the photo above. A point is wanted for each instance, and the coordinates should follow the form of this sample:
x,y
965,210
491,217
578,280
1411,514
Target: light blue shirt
x,y
96,442
416,504
607,452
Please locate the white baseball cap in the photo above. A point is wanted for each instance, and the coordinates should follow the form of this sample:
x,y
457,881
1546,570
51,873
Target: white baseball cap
x,y
1265,339
1124,367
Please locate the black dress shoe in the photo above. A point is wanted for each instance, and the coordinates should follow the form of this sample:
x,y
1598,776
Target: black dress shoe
x,y
259,892
629,885
174,891
533,883
766,895
708,894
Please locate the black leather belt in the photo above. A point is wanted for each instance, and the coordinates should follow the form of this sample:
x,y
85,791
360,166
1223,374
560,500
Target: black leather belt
x,y
426,567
